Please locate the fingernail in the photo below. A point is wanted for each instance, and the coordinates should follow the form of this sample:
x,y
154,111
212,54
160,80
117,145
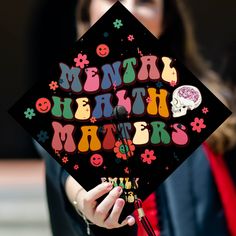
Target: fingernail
x,y
108,186
119,189
120,202
130,220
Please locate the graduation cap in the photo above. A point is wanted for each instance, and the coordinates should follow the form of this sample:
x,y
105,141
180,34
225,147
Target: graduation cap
x,y
120,108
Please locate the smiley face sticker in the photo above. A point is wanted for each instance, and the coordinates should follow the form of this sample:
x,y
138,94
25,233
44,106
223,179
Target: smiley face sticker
x,y
96,160
102,50
43,105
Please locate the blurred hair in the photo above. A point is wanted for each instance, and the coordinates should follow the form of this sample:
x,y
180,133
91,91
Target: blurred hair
x,y
178,34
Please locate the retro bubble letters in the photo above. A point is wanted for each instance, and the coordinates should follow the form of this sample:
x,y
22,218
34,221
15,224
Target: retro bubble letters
x,y
118,62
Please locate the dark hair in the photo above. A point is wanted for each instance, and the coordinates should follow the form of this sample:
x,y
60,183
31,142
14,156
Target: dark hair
x,y
178,34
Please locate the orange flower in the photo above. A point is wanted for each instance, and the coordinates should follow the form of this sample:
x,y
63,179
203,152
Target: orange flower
x,y
53,85
124,149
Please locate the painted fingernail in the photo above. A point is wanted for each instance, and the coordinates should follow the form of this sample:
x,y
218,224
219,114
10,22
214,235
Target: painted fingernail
x,y
119,189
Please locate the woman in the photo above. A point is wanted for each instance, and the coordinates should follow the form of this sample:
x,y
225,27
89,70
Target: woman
x,y
168,20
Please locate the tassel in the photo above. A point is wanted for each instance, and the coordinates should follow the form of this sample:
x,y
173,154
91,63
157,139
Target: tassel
x,y
142,217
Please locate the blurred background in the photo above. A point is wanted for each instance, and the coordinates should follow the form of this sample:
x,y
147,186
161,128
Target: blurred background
x,y
23,209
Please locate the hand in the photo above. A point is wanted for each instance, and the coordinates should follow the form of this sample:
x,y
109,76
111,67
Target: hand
x,y
105,214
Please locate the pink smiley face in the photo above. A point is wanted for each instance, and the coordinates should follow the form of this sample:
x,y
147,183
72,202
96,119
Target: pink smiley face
x,y
43,105
102,50
96,160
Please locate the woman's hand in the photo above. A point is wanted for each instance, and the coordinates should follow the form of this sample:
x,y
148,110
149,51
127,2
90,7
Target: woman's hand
x,y
105,214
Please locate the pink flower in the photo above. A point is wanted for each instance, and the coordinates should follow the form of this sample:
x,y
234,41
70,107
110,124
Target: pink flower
x,y
205,110
93,119
76,167
198,125
148,99
124,149
172,83
53,85
148,156
126,170
81,60
65,159
130,37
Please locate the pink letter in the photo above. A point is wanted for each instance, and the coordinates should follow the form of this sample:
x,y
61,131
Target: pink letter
x,y
92,81
148,69
123,100
63,137
179,136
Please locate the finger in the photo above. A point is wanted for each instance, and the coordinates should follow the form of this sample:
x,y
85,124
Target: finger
x,y
105,206
97,192
130,220
112,220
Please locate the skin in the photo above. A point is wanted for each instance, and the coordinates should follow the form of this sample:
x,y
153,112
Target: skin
x,y
107,213
149,12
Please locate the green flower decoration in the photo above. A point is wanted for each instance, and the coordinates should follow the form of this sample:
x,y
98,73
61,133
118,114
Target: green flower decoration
x,y
117,23
29,113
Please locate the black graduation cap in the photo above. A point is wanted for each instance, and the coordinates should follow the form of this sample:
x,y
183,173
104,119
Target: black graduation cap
x,y
120,108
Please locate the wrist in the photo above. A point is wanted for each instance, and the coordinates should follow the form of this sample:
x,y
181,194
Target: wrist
x,y
74,191
78,207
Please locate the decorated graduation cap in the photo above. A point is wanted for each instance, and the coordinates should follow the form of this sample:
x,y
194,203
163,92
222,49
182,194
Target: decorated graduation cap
x,y
120,108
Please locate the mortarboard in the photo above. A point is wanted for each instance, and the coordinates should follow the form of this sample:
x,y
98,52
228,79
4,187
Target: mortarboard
x,y
121,108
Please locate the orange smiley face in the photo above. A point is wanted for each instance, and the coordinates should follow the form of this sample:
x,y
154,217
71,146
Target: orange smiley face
x,y
43,105
102,50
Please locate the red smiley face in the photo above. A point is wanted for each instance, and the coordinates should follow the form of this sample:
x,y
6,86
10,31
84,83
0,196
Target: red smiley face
x,y
102,50
96,160
43,105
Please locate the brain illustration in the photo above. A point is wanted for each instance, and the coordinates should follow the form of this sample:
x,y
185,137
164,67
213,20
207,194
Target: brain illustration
x,y
185,98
